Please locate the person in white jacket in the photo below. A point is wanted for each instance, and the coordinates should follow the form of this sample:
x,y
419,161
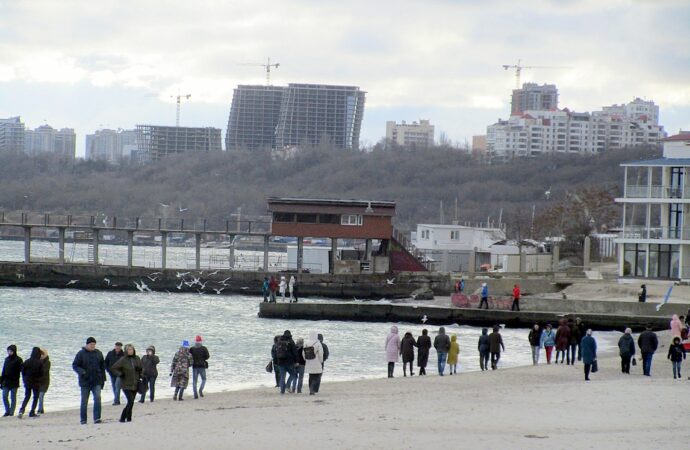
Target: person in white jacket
x,y
281,287
313,357
291,286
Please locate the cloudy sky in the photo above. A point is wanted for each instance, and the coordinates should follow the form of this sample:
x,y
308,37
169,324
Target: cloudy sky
x,y
90,64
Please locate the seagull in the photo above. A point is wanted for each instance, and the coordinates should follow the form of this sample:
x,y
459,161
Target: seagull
x,y
152,278
144,286
181,209
163,205
156,273
71,282
244,288
181,274
547,194
201,273
179,286
200,292
225,281
424,319
218,291
189,283
390,281
139,286
213,273
107,281
203,286
196,281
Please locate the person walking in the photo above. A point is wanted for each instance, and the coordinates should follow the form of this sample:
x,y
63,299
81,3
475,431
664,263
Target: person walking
x,y
676,353
90,367
273,287
407,345
495,346
453,353
149,371
442,345
265,289
483,347
642,294
274,359
299,367
11,371
573,342
45,380
312,353
484,296
111,358
291,288
534,339
548,340
626,349
282,287
286,353
648,343
392,348
423,347
200,356
582,331
326,353
179,370
676,326
32,373
589,353
516,298
562,340
128,369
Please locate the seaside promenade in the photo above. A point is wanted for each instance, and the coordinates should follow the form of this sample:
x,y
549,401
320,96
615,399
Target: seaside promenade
x,y
526,407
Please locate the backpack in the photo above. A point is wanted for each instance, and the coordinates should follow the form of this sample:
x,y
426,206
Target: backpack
x,y
309,353
325,351
282,349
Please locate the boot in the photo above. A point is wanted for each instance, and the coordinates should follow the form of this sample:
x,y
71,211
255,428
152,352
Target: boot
x,y
177,390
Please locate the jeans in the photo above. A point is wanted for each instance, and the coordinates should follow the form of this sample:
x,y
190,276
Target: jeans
x,y
571,351
196,372
484,360
27,396
40,402
127,411
9,399
151,384
442,362
85,392
676,368
116,383
647,363
625,363
535,354
495,356
285,370
299,379
314,383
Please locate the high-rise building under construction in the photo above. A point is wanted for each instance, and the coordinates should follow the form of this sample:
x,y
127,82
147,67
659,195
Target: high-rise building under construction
x,y
156,141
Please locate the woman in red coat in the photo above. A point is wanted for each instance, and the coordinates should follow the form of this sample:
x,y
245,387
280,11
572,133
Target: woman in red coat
x,y
562,340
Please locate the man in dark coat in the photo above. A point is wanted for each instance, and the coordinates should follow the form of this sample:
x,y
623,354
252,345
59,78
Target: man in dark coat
x,y
423,345
483,348
32,373
111,358
442,345
286,354
495,346
11,371
407,346
648,343
90,366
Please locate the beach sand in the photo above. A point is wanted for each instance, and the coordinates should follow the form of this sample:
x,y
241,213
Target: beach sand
x,y
544,406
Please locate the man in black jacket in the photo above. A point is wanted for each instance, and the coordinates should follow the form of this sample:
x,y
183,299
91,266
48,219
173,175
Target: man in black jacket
x,y
11,372
286,354
111,358
648,343
200,355
90,366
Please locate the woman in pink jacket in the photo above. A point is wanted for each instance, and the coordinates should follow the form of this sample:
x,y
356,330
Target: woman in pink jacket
x,y
392,349
676,326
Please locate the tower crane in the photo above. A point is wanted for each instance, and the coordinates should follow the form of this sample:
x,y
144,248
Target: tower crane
x,y
518,69
266,66
179,100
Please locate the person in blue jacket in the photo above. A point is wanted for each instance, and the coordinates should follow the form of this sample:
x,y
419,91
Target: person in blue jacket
x,y
485,296
548,340
589,352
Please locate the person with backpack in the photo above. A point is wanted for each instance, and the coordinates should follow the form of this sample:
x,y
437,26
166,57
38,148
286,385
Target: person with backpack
x,y
11,372
392,348
312,352
286,353
32,373
676,353
325,349
423,345
299,368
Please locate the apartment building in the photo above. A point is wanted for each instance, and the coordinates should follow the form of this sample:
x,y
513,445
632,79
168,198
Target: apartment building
x,y
46,139
11,135
533,97
156,141
418,134
112,146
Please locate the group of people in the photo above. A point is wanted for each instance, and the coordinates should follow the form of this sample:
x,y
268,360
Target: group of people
x,y
293,358
35,374
648,342
484,294
271,286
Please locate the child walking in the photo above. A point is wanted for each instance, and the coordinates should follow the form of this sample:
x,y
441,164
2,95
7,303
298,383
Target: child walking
x,y
453,353
676,353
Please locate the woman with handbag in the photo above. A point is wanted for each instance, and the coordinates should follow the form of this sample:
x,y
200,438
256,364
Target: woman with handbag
x,y
589,354
128,368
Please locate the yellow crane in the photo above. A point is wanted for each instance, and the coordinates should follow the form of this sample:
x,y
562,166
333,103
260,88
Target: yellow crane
x,y
179,101
518,69
267,67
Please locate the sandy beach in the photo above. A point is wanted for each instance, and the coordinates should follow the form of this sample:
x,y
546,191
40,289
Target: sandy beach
x,y
511,408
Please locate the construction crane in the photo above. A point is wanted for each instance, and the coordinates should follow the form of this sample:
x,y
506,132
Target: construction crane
x,y
518,69
179,101
266,66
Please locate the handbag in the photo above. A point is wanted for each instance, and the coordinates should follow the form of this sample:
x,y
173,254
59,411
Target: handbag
x,y
269,366
142,386
595,366
634,361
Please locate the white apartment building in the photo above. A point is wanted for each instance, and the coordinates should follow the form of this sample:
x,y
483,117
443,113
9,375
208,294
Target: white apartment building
x,y
420,134
46,139
536,132
111,145
655,240
11,135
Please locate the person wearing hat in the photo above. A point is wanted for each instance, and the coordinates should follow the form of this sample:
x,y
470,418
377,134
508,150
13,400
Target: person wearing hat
x,y
11,371
200,355
485,296
150,372
90,366
110,359
179,370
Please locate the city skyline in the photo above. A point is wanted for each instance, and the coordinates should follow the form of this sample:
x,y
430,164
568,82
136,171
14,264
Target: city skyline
x,y
118,64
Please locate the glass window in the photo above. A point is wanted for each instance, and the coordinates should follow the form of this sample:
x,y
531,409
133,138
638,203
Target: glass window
x,y
283,217
351,219
641,262
306,218
329,218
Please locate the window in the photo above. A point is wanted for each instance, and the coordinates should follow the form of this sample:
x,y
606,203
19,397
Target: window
x,y
455,235
306,218
283,217
425,234
329,218
351,219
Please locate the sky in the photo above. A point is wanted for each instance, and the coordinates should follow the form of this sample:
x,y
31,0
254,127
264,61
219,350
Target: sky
x,y
91,64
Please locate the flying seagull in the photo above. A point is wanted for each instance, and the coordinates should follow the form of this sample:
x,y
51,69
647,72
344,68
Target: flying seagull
x,y
181,209
390,281
107,281
181,274
71,282
218,291
424,319
152,278
179,286
213,273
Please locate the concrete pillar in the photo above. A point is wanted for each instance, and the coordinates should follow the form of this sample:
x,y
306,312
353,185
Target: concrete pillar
x,y
95,246
231,252
197,250
266,241
334,253
367,250
27,245
555,256
164,249
61,245
472,262
523,266
130,248
586,252
300,254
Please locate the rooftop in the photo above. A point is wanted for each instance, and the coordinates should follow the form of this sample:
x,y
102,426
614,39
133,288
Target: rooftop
x,y
659,162
330,202
678,137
